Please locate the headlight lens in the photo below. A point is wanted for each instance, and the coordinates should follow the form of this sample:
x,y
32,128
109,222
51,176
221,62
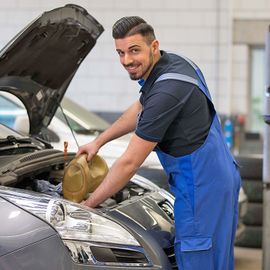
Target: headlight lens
x,y
74,222
88,235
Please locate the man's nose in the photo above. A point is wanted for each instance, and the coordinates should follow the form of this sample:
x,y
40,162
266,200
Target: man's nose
x,y
127,60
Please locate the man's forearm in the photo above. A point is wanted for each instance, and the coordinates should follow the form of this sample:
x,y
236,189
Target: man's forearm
x,y
117,178
122,170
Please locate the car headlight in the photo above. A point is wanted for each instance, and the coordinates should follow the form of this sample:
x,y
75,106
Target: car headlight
x,y
76,223
90,237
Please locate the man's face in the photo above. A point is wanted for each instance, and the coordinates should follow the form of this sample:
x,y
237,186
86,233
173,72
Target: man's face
x,y
137,57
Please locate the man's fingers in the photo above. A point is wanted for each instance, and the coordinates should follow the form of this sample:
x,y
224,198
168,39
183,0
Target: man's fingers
x,y
78,153
90,156
87,149
81,151
82,202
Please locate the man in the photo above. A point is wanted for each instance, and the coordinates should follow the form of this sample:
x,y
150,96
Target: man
x,y
175,117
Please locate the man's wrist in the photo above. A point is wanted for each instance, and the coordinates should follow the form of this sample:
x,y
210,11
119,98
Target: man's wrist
x,y
99,142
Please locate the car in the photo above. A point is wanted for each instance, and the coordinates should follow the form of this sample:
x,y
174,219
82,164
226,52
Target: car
x,y
134,229
39,228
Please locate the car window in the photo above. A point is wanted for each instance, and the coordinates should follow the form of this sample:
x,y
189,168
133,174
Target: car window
x,y
73,124
5,131
79,119
12,112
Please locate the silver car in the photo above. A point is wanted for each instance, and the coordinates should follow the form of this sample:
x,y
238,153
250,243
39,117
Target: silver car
x,y
40,230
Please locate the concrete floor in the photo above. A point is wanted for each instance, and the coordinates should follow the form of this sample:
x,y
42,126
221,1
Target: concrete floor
x,y
248,258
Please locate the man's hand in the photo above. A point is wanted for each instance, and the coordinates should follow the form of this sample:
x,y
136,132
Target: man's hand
x,y
90,149
121,171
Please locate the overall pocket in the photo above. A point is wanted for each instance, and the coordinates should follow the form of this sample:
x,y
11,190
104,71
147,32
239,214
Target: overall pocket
x,y
194,253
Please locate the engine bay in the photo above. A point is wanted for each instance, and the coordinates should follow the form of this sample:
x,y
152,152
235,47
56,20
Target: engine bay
x,y
46,177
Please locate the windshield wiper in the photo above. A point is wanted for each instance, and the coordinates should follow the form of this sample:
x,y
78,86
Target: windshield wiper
x,y
15,140
12,143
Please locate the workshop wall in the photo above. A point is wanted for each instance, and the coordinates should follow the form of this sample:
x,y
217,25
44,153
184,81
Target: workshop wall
x,y
200,30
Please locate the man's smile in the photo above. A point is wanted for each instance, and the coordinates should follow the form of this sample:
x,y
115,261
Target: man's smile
x,y
132,68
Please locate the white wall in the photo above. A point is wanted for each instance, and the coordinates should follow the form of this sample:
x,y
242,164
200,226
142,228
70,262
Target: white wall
x,y
250,24
201,30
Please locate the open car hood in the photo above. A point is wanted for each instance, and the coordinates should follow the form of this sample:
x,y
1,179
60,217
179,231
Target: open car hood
x,y
39,63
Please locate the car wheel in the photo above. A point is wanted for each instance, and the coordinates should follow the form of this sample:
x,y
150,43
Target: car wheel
x,y
250,166
254,214
253,189
251,237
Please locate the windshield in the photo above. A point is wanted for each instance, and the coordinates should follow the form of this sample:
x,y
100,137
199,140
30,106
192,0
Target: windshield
x,y
12,110
81,120
5,132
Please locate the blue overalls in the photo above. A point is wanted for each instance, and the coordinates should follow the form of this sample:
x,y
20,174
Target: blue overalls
x,y
206,184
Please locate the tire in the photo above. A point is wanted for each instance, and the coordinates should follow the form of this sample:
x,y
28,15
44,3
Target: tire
x,y
253,189
254,215
250,166
251,237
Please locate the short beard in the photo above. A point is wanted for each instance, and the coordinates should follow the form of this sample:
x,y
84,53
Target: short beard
x,y
135,77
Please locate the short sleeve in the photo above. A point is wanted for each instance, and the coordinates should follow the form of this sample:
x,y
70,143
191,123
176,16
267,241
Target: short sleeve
x,y
159,111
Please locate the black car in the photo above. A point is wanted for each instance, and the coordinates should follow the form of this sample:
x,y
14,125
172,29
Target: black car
x,y
39,229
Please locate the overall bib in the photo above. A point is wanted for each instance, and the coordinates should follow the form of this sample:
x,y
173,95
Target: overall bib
x,y
205,184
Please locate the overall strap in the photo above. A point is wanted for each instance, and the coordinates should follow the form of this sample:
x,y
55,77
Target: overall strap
x,y
201,83
177,76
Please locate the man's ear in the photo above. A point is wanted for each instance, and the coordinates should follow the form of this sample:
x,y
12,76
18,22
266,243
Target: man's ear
x,y
155,46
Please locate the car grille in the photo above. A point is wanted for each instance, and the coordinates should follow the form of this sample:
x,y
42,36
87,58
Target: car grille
x,y
171,256
106,255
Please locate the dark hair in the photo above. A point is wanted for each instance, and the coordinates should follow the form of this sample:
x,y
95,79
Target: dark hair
x,y
132,25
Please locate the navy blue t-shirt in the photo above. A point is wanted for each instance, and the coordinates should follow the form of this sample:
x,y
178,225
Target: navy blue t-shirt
x,y
176,114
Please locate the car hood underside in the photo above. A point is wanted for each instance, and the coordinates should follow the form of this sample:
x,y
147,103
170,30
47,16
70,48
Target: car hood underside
x,y
39,63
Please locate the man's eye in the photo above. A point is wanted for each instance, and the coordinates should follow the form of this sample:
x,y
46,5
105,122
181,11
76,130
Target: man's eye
x,y
134,50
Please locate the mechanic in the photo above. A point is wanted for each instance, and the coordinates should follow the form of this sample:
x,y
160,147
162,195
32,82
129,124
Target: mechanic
x,y
175,117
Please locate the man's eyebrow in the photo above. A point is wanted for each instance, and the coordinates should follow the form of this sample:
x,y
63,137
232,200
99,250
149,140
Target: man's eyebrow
x,y
133,46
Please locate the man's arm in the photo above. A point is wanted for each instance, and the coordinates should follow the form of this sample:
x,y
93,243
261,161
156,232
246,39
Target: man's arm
x,y
122,170
125,124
